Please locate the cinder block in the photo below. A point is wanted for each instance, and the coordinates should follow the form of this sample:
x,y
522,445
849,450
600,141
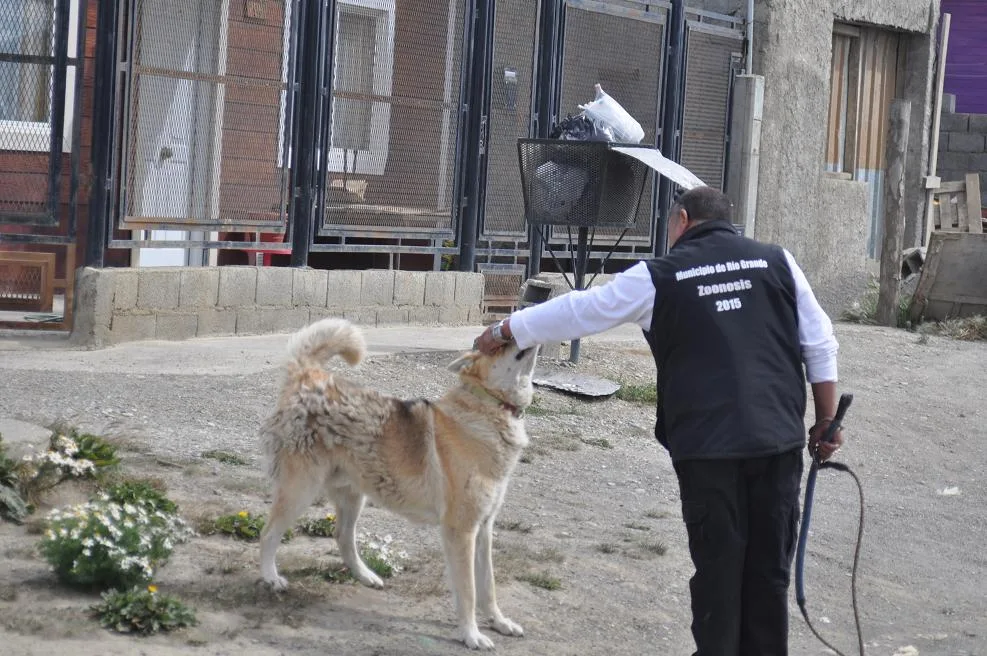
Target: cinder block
x,y
93,307
423,316
965,142
308,288
377,287
954,122
237,286
213,321
361,316
409,287
176,326
282,320
158,289
978,163
469,289
274,286
132,328
978,123
440,288
454,316
248,321
952,161
199,288
343,289
392,315
318,313
124,288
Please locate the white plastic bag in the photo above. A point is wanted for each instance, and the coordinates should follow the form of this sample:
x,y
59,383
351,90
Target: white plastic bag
x,y
607,111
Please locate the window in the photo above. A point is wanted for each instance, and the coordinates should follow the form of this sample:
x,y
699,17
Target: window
x,y
25,88
363,63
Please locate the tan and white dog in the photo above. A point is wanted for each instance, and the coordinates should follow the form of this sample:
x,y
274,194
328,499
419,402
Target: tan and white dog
x,y
444,462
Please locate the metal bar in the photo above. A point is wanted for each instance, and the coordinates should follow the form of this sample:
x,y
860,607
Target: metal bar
x,y
306,148
719,30
419,103
18,238
385,232
749,39
327,94
712,15
76,153
193,76
58,109
40,60
579,277
596,6
671,139
558,264
603,260
479,55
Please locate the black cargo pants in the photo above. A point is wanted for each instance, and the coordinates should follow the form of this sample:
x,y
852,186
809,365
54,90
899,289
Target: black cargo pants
x,y
742,520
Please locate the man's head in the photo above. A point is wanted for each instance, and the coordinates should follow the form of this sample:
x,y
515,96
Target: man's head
x,y
695,206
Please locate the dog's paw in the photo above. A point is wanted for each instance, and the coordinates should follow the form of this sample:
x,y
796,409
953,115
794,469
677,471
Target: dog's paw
x,y
507,627
369,579
476,640
277,583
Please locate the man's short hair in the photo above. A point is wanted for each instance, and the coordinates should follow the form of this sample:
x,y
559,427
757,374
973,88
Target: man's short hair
x,y
705,204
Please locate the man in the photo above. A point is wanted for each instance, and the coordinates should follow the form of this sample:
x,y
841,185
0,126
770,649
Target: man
x,y
730,322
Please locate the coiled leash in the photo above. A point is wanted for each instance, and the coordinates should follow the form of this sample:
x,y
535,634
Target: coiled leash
x,y
810,486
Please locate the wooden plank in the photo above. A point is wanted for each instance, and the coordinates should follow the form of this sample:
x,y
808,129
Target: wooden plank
x,y
972,221
894,213
952,280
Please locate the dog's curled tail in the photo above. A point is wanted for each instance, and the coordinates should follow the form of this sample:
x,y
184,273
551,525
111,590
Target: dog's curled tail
x,y
316,344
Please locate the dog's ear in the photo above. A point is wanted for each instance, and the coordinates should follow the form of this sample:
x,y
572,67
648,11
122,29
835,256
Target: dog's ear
x,y
464,361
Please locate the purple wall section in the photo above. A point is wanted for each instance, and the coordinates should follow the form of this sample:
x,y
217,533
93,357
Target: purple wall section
x,y
966,61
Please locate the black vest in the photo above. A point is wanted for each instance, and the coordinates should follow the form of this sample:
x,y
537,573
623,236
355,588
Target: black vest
x,y
724,334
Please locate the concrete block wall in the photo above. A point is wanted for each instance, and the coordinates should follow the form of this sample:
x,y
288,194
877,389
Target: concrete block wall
x,y
172,303
963,148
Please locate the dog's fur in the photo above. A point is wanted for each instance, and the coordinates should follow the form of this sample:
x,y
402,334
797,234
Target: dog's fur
x,y
445,462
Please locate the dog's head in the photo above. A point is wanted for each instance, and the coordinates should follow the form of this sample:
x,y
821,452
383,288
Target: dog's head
x,y
506,374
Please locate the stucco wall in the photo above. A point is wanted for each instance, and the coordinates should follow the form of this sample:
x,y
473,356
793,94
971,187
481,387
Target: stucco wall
x,y
821,220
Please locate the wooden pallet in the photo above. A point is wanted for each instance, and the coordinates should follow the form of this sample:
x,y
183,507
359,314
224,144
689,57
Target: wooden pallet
x,y
27,281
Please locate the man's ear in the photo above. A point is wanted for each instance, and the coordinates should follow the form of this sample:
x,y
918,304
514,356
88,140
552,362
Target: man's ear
x,y
464,361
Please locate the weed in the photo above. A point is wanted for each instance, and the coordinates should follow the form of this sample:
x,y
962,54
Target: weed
x,y
600,442
142,611
638,393
542,580
143,493
514,525
320,528
380,556
242,526
656,514
637,527
607,548
225,457
656,547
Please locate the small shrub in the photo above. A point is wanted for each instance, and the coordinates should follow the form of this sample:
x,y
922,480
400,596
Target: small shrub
x,y
656,547
656,514
320,528
515,525
71,455
966,329
141,493
638,393
607,548
600,442
12,507
242,525
542,580
142,611
225,457
380,556
104,544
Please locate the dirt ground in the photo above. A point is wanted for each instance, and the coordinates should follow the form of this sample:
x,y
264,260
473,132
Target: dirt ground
x,y
594,504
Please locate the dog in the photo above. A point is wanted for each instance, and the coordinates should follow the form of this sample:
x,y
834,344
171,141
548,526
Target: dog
x,y
445,462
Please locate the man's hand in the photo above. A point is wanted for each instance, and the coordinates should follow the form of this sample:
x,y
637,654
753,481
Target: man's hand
x,y
825,450
487,344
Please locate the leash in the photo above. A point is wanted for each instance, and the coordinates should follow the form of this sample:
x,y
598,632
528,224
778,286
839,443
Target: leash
x,y
810,486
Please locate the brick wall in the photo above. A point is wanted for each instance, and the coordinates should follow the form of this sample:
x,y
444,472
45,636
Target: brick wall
x,y
963,148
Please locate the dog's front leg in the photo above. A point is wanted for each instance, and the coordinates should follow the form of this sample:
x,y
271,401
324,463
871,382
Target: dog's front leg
x,y
460,545
486,591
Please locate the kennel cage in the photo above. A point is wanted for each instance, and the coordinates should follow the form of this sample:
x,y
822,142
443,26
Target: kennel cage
x,y
581,185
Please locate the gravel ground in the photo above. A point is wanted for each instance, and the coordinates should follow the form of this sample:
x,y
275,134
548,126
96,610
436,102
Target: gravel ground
x,y
594,505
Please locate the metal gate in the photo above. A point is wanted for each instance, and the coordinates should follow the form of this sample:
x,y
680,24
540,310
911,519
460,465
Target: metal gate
x,y
41,42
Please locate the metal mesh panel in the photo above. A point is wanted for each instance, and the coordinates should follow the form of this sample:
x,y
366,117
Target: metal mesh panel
x,y
391,164
622,52
510,111
704,120
26,281
206,111
579,184
26,66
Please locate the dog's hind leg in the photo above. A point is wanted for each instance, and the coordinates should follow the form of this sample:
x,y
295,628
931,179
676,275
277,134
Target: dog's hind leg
x,y
486,593
294,491
348,504
459,545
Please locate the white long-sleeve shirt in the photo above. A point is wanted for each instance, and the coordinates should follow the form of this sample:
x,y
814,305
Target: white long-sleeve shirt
x,y
630,298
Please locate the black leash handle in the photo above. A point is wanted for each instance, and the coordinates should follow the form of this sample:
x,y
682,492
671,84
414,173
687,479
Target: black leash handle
x,y
827,436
